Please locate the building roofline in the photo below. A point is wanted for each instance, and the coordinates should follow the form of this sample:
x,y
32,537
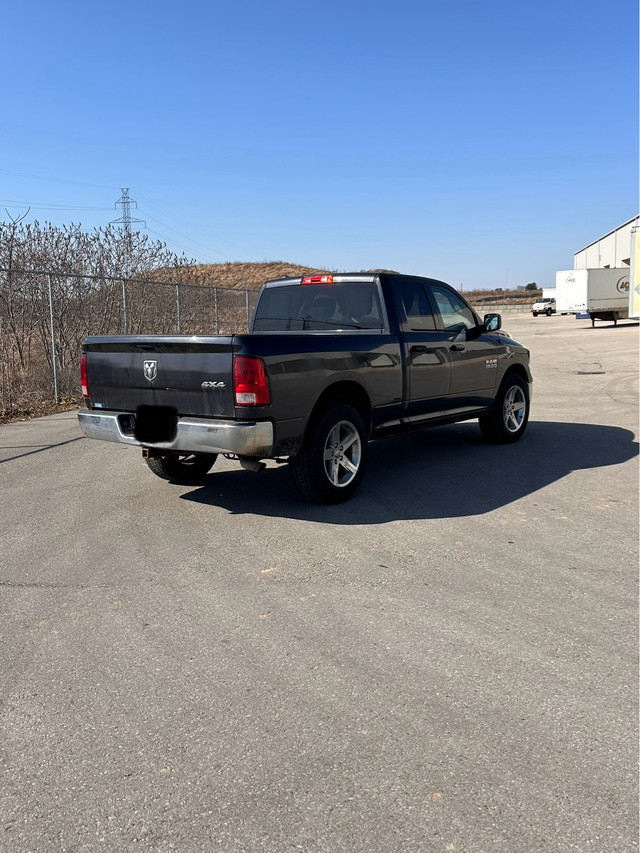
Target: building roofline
x,y
609,233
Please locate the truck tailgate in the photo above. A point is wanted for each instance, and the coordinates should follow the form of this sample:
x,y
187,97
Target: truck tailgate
x,y
191,374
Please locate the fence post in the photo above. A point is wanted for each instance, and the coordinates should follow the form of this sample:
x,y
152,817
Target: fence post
x,y
178,308
54,351
246,301
124,306
215,300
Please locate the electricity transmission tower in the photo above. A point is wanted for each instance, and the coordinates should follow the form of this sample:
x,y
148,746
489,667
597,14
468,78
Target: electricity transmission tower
x,y
125,220
125,201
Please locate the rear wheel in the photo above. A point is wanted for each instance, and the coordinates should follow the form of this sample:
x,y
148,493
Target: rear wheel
x,y
187,468
330,465
507,419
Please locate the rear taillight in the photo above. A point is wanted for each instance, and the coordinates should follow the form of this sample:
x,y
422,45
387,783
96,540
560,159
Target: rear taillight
x,y
83,375
317,279
250,382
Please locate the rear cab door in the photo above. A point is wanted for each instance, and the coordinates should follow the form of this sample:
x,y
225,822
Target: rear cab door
x,y
425,349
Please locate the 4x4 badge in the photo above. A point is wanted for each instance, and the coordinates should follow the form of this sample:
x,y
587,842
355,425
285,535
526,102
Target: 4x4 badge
x,y
150,370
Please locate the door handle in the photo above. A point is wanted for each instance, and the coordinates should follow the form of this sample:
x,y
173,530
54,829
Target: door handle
x,y
457,347
419,348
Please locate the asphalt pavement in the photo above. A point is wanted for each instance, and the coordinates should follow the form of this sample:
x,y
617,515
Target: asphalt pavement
x,y
448,662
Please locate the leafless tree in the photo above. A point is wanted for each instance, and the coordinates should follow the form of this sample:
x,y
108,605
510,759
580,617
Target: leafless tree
x,y
91,276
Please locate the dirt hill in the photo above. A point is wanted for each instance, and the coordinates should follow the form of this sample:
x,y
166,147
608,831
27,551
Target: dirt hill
x,y
251,275
254,275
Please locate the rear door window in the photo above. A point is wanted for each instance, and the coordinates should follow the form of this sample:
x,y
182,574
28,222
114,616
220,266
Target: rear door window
x,y
417,308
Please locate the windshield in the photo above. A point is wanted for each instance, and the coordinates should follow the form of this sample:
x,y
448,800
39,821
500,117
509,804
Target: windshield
x,y
318,307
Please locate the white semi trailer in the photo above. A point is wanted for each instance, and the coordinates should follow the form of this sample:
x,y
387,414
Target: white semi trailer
x,y
634,289
603,294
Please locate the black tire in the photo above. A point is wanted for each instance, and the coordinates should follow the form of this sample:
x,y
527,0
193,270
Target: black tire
x,y
507,419
185,468
549,312
330,464
535,313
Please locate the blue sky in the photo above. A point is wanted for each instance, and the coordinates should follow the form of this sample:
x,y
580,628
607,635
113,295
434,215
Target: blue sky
x,y
481,142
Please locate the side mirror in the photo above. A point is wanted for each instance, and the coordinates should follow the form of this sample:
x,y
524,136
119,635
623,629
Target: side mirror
x,y
492,322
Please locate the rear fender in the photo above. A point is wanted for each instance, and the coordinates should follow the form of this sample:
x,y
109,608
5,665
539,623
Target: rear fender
x,y
351,394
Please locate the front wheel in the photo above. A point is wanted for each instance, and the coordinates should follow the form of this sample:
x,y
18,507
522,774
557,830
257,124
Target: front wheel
x,y
507,419
549,312
185,468
331,462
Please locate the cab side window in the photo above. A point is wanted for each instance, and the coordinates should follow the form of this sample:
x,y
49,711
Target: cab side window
x,y
456,314
417,307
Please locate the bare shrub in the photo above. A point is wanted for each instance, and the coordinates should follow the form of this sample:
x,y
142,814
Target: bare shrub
x,y
78,278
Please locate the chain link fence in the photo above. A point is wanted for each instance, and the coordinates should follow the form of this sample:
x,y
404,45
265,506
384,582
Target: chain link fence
x,y
45,316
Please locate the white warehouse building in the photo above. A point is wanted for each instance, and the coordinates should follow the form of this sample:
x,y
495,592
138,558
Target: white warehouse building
x,y
611,251
605,281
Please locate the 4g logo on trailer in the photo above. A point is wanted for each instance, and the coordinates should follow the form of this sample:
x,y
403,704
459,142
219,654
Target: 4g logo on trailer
x,y
623,285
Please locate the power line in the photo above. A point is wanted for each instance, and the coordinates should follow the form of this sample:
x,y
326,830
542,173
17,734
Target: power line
x,y
185,224
53,180
43,206
189,252
126,220
189,239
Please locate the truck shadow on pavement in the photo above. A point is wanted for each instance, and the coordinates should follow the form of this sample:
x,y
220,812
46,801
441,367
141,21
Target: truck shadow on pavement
x,y
449,472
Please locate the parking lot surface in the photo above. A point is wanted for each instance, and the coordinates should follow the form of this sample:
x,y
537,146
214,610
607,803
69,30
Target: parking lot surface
x,y
448,662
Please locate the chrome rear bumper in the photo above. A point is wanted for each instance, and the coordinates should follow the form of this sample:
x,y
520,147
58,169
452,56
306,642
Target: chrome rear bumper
x,y
193,435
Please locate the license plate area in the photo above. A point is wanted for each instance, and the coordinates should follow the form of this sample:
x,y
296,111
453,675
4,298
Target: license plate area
x,y
155,424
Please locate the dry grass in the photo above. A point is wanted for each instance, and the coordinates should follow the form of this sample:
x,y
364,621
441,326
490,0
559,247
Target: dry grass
x,y
254,275
249,275
242,275
40,409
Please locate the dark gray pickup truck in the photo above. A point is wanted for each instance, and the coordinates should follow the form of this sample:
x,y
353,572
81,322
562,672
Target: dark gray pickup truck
x,y
330,362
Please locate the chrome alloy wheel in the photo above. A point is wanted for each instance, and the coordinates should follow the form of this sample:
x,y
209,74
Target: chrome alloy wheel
x,y
342,454
514,409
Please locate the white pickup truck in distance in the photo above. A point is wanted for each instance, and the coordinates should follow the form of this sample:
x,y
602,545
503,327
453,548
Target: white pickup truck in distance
x,y
546,305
